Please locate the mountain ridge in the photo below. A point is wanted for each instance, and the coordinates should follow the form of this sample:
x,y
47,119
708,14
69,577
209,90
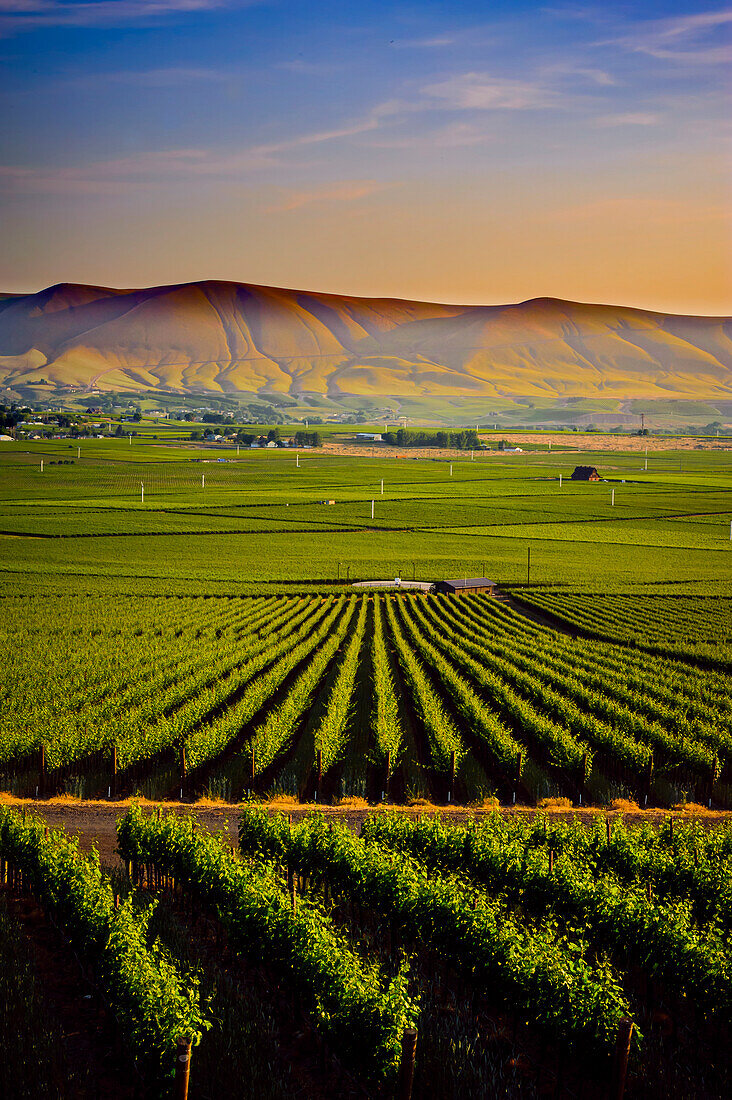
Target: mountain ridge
x,y
219,336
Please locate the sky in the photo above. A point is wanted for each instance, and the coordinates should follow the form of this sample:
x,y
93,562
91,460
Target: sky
x,y
460,152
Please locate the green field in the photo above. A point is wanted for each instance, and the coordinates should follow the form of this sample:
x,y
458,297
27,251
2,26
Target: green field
x,y
206,639
260,519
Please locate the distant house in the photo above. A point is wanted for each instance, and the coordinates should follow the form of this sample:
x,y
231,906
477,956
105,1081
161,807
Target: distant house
x,y
469,584
369,437
585,473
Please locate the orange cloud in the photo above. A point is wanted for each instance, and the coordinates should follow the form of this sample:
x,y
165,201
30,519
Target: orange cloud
x,y
345,191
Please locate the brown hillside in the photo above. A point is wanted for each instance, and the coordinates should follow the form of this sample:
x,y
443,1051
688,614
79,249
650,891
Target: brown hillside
x,y
234,337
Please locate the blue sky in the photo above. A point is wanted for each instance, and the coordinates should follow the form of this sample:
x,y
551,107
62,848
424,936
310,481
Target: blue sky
x,y
472,152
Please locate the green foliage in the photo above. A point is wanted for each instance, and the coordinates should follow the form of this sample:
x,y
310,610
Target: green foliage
x,y
152,1002
354,1005
512,859
530,967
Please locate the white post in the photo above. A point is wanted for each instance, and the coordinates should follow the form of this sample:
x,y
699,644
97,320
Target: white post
x,y
203,481
382,486
130,439
645,465
78,452
560,481
372,509
550,446
471,455
41,465
297,461
612,498
237,448
451,469
142,492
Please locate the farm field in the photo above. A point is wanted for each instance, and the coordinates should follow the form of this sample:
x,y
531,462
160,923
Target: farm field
x,y
214,522
206,640
379,696
525,956
206,643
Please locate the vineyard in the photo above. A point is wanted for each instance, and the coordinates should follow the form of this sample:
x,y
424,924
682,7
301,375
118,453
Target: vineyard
x,y
384,697
510,957
699,628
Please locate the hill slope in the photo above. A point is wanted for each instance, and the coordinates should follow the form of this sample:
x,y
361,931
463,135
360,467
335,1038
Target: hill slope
x,y
233,337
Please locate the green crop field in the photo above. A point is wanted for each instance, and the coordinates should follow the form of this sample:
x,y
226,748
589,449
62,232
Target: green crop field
x,y
181,621
214,521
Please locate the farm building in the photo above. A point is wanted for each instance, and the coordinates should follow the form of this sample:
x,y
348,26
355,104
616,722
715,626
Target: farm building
x,y
369,437
469,584
585,473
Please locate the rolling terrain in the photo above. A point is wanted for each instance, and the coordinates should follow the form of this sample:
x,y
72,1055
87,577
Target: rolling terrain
x,y
229,338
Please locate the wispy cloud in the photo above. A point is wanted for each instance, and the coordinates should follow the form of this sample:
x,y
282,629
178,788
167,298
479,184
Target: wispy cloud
x,y
18,15
343,191
435,43
455,136
587,74
153,78
121,175
691,39
115,176
629,118
484,92
310,68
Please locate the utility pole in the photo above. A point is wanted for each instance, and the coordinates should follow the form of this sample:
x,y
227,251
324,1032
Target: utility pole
x,y
382,486
142,492
372,509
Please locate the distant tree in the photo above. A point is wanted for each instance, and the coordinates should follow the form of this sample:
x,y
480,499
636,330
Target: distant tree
x,y
308,439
